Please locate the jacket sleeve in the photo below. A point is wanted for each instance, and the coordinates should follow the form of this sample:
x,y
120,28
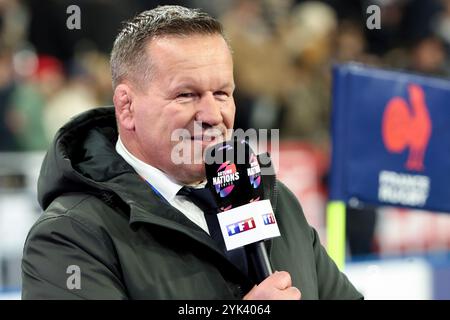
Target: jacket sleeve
x,y
63,258
332,283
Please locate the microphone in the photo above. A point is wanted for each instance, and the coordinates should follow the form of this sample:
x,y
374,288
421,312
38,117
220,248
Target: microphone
x,y
245,217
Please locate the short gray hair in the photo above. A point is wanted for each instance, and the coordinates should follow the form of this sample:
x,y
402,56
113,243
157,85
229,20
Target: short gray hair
x,y
128,57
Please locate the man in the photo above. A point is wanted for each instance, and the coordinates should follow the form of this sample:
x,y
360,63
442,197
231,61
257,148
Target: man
x,y
115,225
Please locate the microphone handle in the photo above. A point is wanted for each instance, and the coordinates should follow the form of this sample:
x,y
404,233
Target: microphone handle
x,y
257,255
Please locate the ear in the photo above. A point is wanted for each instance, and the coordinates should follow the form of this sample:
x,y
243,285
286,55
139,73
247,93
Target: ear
x,y
123,99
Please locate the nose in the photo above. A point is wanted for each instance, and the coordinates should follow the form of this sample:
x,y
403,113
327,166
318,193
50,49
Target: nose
x,y
209,111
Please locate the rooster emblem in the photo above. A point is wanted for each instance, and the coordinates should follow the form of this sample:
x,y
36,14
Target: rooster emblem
x,y
408,127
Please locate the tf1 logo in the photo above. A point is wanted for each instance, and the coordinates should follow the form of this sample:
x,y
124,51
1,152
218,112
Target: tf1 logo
x,y
268,218
241,226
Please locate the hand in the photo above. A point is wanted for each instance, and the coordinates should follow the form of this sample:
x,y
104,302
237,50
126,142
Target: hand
x,y
278,286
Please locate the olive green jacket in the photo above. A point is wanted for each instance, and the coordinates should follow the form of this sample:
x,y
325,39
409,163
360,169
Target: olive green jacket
x,y
105,234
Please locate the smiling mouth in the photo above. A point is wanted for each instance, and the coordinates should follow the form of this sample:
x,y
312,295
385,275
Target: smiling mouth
x,y
207,140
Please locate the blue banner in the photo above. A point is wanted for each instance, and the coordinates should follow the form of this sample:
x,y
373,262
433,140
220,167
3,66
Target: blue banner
x,y
391,138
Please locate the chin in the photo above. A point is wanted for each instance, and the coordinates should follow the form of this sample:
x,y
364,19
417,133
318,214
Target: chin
x,y
193,173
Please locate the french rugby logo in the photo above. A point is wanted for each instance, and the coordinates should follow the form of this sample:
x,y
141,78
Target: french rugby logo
x,y
407,126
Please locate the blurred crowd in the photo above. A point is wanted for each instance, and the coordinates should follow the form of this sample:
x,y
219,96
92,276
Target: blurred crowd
x,y
283,53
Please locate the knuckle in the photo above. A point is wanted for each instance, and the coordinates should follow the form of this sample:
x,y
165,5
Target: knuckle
x,y
285,277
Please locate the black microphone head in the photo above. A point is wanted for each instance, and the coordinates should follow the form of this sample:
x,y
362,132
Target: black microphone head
x,y
233,173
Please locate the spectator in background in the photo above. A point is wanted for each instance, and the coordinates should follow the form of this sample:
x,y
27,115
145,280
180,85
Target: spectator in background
x,y
29,100
308,37
13,23
7,140
14,19
262,67
428,56
441,23
84,89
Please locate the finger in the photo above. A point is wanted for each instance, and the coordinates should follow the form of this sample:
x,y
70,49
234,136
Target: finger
x,y
281,280
291,293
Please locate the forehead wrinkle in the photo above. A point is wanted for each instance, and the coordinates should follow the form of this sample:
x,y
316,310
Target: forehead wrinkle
x,y
174,66
165,45
183,78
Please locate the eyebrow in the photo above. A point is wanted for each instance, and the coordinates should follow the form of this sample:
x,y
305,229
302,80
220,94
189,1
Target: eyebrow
x,y
190,83
231,85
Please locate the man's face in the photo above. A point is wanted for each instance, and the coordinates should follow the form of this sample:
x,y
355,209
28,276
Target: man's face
x,y
192,83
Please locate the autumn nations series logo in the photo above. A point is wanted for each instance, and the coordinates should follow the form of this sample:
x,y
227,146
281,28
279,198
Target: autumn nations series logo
x,y
226,176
